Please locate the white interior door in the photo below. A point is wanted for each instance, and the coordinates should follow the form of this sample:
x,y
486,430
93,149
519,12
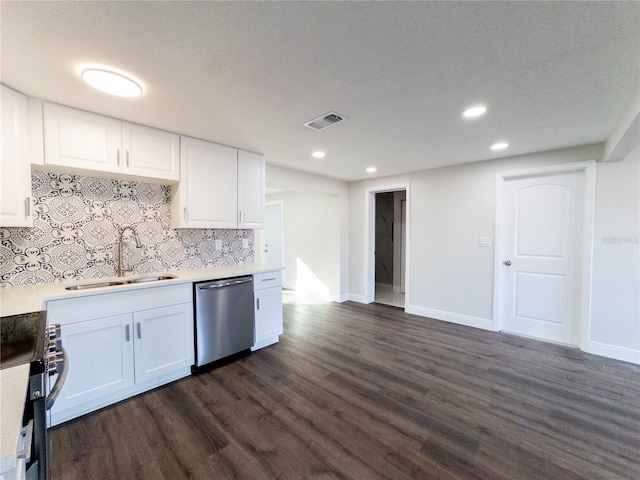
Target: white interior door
x,y
541,232
273,245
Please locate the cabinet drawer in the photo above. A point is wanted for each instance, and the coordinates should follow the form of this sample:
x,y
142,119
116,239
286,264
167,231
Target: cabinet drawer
x,y
267,280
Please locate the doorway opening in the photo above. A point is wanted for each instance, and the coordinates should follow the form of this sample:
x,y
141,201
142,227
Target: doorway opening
x,y
387,241
390,248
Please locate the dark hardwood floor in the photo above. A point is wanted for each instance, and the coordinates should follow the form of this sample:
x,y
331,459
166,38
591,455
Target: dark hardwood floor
x,y
368,392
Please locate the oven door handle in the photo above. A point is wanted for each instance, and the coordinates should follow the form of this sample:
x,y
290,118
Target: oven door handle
x,y
62,376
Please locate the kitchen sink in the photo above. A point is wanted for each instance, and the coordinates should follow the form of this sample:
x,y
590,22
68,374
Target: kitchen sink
x,y
153,278
93,285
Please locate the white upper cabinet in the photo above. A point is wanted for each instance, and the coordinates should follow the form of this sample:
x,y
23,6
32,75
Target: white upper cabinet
x,y
15,168
251,182
77,139
150,152
219,187
87,141
207,195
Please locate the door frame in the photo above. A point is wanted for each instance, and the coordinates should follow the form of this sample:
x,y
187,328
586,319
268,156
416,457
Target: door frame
x,y
585,253
370,239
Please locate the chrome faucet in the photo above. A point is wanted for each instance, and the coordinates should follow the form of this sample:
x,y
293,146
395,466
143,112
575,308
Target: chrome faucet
x,y
121,270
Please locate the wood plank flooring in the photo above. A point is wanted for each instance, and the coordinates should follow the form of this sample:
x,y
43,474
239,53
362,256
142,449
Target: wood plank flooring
x,y
368,392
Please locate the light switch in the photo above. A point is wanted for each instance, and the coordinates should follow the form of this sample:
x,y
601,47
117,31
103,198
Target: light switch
x,y
245,243
485,241
218,244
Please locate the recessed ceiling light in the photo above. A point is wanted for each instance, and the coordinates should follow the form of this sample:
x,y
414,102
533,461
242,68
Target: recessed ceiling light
x,y
112,81
499,146
372,170
474,111
317,154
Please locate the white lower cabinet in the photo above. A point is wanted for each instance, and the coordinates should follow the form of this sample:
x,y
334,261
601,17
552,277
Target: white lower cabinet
x,y
118,355
268,308
163,341
100,361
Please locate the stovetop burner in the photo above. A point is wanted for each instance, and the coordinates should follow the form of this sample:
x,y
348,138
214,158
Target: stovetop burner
x,y
22,339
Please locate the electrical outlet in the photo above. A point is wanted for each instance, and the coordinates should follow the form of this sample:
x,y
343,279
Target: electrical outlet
x,y
218,244
245,243
485,241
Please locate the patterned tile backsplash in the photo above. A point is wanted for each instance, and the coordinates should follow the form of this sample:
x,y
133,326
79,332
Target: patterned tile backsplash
x,y
76,232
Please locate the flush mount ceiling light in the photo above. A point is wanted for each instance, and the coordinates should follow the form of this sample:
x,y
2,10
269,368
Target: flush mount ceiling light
x,y
317,154
499,146
474,111
372,170
112,81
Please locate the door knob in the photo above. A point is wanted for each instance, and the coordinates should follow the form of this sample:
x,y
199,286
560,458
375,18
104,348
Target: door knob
x,y
507,263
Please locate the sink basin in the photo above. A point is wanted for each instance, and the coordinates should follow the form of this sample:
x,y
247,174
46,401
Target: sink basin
x,y
154,278
93,285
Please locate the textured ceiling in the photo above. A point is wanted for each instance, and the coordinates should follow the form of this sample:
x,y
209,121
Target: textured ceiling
x,y
553,74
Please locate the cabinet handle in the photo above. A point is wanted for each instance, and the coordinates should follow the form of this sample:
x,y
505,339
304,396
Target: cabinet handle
x,y
126,332
27,207
258,300
118,156
127,158
139,326
241,216
184,214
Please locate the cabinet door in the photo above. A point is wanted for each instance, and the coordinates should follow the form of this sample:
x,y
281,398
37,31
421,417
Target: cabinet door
x,y
100,356
15,169
207,196
268,314
163,341
251,183
83,140
150,152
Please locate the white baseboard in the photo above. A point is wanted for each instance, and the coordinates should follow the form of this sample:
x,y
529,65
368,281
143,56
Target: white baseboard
x,y
611,351
343,297
288,286
451,317
354,297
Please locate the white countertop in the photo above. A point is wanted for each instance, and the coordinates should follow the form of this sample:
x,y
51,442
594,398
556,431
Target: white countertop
x,y
33,298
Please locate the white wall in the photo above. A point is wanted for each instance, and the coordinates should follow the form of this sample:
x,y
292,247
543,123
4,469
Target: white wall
x,y
311,242
451,276
315,206
615,310
450,209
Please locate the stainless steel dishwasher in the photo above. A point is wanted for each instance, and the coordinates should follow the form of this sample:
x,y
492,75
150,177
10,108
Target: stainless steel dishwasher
x,y
224,317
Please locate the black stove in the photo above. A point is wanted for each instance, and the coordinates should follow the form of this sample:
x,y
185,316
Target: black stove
x,y
22,339
27,340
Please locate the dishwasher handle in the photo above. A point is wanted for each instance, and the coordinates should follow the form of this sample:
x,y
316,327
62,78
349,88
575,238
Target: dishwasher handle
x,y
225,284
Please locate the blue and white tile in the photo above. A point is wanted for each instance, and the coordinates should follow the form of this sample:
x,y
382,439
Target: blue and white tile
x,y
75,233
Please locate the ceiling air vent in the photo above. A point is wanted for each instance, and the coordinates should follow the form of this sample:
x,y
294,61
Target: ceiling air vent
x,y
324,121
